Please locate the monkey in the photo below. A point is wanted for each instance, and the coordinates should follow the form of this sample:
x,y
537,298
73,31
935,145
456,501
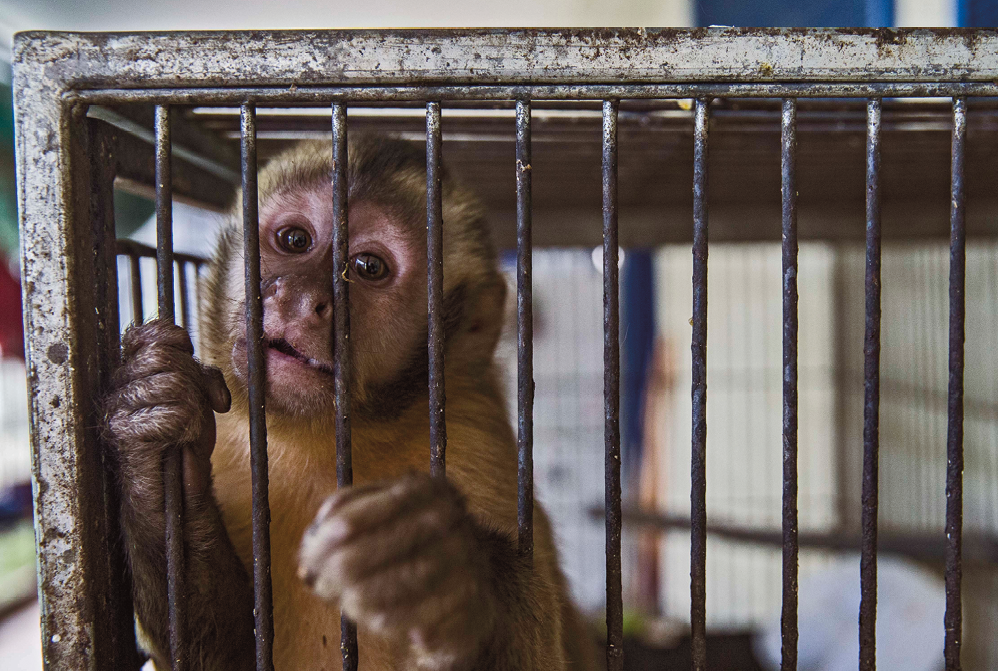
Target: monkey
x,y
427,567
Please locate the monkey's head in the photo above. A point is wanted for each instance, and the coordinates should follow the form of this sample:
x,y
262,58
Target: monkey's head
x,y
386,275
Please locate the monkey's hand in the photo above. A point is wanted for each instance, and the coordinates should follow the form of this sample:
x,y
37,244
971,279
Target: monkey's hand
x,y
405,558
162,398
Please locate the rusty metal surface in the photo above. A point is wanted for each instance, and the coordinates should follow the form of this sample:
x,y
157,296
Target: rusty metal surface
x,y
55,359
493,56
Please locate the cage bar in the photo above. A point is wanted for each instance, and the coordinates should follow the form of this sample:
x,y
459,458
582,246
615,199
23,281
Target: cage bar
x,y
173,493
409,92
341,342
954,437
788,140
135,277
263,616
611,392
435,289
871,402
524,335
698,460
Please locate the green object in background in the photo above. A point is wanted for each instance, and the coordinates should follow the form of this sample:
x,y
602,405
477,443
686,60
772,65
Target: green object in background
x,y
130,212
8,183
17,564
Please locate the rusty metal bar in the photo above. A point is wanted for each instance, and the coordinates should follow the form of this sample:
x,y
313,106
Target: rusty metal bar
x,y
435,289
871,403
611,392
185,316
698,461
135,276
525,335
411,93
341,342
263,605
954,437
552,56
173,492
788,177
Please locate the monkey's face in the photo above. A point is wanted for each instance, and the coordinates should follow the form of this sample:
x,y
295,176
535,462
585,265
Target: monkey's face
x,y
387,285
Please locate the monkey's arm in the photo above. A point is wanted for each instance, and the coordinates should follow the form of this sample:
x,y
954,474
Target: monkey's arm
x,y
163,399
404,558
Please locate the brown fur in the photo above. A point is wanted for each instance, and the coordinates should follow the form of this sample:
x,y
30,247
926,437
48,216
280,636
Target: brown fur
x,y
533,623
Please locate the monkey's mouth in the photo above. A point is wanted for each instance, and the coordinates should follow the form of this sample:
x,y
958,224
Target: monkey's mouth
x,y
284,347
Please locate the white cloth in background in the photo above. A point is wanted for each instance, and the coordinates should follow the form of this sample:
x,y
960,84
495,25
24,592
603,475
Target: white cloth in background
x,y
911,602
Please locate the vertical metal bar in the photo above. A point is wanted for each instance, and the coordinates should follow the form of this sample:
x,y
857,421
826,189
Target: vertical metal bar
x,y
698,470
790,550
173,496
135,275
185,316
525,334
954,437
871,403
341,342
257,373
114,618
611,392
435,289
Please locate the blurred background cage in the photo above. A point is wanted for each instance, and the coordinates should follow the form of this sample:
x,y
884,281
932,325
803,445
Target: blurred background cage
x,y
112,133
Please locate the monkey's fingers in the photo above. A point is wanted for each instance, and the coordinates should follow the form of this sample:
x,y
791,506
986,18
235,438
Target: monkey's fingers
x,y
394,597
369,510
218,393
430,529
157,331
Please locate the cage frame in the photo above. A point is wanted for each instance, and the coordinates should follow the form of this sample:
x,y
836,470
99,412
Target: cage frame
x,y
65,168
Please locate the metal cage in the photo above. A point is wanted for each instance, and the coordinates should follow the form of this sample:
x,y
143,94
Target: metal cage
x,y
75,137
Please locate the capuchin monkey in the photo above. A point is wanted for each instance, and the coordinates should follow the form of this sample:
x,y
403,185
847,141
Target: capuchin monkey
x,y
428,568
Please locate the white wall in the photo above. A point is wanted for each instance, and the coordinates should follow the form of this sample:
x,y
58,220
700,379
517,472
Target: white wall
x,y
87,15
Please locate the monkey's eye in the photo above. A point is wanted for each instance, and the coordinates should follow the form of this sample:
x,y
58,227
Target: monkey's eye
x,y
369,267
294,239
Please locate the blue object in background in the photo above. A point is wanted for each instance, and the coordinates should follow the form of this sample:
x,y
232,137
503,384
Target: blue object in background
x,y
796,13
977,13
637,341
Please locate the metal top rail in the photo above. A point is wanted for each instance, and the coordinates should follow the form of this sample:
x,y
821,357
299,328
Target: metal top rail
x,y
295,59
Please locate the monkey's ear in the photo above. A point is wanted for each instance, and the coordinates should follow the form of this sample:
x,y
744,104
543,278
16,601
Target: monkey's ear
x,y
484,318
